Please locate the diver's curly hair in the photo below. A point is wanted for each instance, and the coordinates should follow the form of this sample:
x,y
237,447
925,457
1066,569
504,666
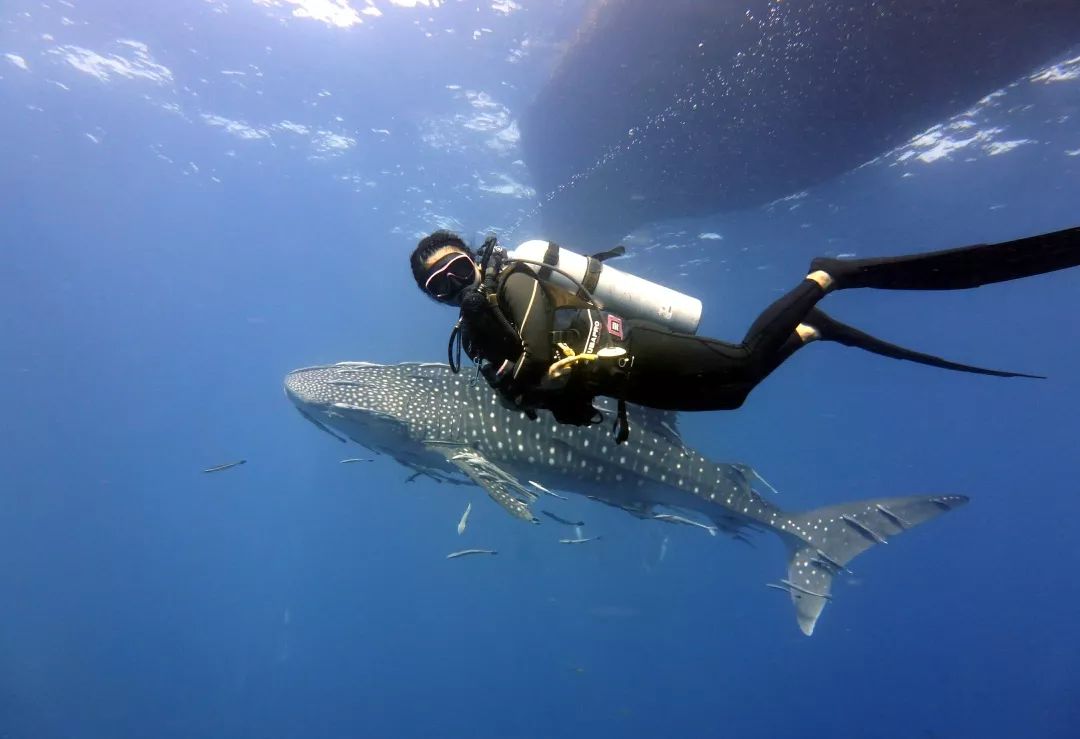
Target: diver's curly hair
x,y
428,246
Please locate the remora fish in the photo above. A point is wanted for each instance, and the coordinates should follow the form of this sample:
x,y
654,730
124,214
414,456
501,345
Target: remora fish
x,y
562,520
673,518
544,490
226,466
467,552
352,460
464,520
428,418
579,540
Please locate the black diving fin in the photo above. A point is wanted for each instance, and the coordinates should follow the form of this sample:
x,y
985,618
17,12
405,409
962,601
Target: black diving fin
x,y
958,269
832,330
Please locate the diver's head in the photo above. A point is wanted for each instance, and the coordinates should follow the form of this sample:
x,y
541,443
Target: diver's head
x,y
443,267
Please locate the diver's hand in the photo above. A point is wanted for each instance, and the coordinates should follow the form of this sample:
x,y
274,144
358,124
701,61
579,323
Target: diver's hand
x,y
568,405
498,377
510,396
519,404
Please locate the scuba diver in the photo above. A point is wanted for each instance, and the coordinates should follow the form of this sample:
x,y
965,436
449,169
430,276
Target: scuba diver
x,y
552,329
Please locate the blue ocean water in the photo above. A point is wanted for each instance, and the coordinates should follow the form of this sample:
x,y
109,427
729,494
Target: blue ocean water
x,y
201,196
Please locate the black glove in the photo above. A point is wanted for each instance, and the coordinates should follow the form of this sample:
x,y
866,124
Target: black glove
x,y
569,406
573,409
510,396
500,378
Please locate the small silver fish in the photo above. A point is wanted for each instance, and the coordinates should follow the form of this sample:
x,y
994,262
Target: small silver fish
x,y
350,460
672,518
226,466
464,520
579,540
467,552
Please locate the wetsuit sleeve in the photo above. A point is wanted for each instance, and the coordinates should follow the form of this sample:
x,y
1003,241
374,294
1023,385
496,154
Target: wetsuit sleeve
x,y
532,314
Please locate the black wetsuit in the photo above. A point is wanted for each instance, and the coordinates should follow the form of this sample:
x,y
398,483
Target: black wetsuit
x,y
674,371
662,368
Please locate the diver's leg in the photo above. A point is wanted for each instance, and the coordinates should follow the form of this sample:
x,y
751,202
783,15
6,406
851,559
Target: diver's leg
x,y
958,269
752,369
698,373
780,320
686,354
694,373
803,335
681,372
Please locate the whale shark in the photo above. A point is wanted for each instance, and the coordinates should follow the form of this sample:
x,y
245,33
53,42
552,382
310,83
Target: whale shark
x,y
454,429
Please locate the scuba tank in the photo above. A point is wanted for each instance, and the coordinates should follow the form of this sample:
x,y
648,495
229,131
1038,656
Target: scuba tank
x,y
617,291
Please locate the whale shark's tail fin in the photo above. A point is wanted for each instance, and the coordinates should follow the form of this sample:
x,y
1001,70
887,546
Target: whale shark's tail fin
x,y
821,543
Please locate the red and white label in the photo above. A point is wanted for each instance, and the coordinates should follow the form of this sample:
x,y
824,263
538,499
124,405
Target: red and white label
x,y
614,327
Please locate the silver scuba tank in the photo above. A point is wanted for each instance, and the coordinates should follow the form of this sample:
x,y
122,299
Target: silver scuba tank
x,y
620,292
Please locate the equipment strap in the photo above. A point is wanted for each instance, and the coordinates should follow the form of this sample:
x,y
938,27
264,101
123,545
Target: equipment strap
x,y
453,349
565,336
551,258
622,424
592,275
487,250
603,256
582,294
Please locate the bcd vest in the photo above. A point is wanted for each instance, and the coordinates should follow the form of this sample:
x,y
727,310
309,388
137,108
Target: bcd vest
x,y
488,335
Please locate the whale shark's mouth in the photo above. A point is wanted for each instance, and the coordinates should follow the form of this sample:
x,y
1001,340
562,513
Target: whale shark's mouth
x,y
322,395
323,386
301,386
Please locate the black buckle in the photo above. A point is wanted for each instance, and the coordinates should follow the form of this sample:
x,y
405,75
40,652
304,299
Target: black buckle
x,y
621,427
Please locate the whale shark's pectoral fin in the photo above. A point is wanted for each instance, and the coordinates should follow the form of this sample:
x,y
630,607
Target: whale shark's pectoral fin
x,y
501,486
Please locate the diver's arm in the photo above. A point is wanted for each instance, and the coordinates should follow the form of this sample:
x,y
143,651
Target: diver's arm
x,y
532,313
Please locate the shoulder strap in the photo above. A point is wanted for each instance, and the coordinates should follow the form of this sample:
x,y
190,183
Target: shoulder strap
x,y
558,296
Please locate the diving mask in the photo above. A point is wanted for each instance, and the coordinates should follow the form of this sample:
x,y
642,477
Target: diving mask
x,y
449,276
